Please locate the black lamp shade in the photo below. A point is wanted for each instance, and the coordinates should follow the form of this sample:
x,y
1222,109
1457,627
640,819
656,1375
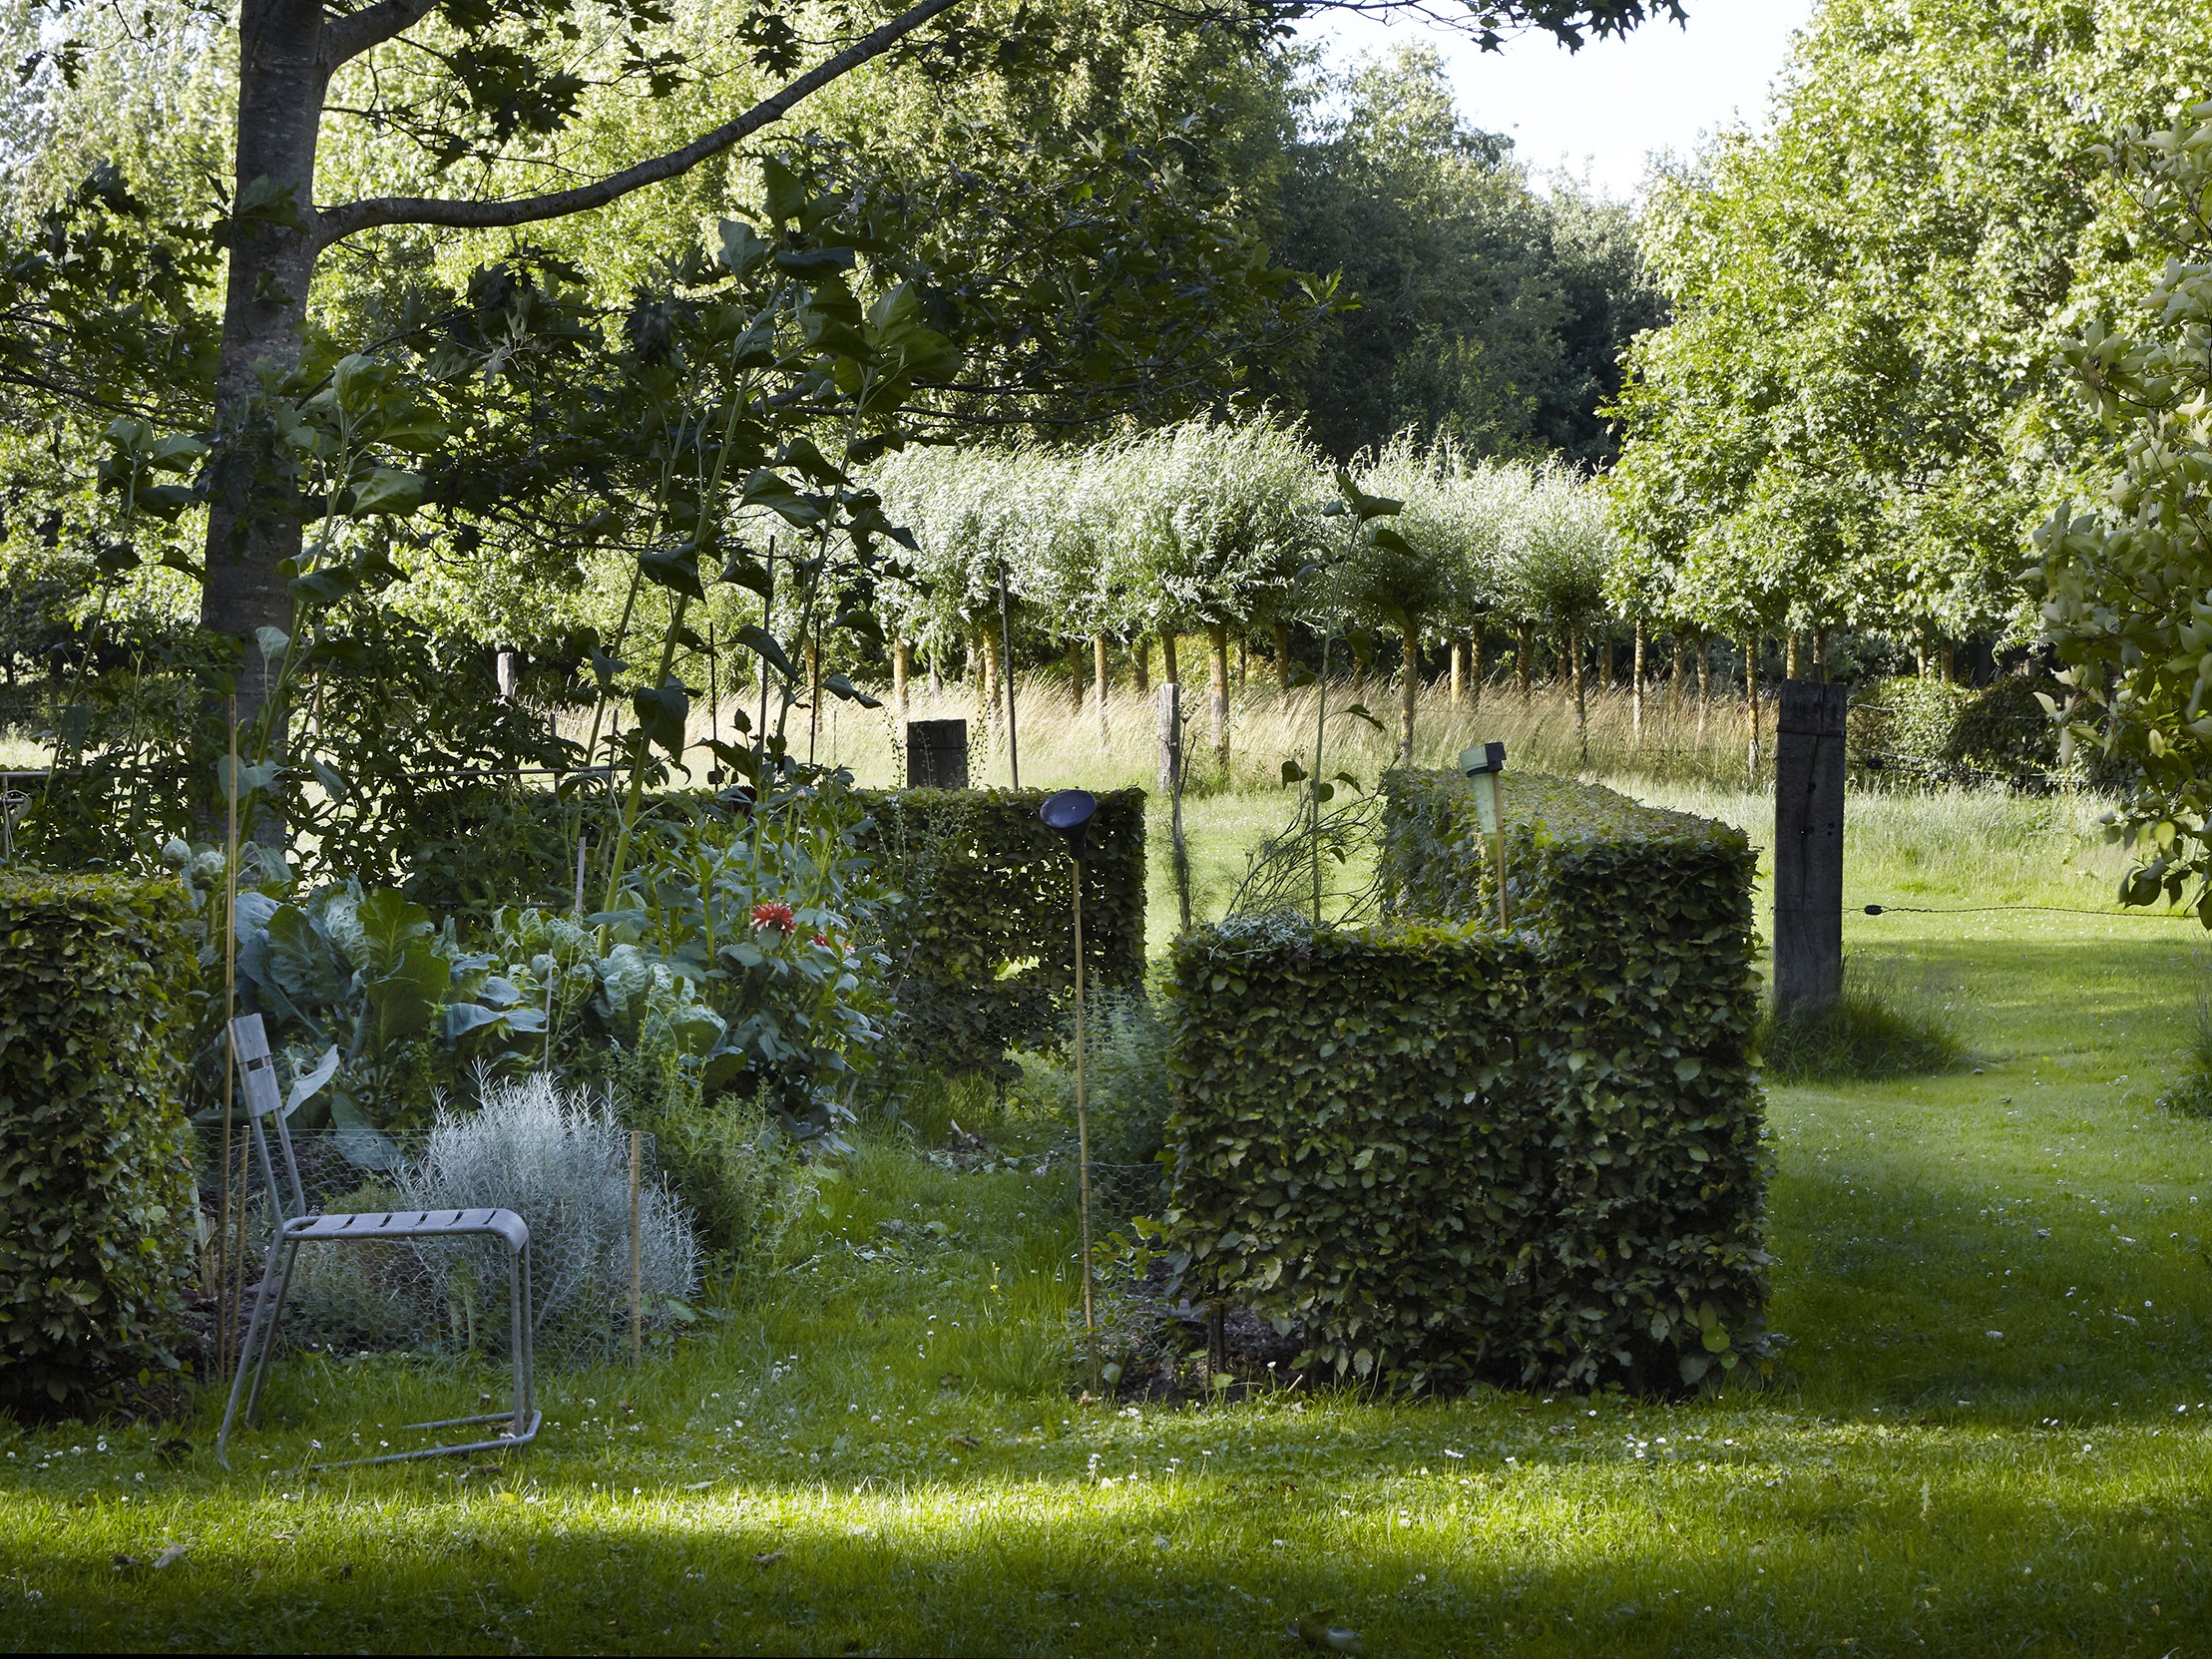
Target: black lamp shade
x,y
1483,758
1068,813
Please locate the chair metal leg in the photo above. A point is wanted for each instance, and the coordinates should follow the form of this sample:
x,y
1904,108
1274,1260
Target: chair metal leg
x,y
246,1351
268,1338
518,1321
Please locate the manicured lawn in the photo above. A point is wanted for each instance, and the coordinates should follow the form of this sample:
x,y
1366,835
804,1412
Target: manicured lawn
x,y
1991,1431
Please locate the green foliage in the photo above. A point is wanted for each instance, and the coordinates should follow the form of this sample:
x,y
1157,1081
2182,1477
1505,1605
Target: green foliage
x,y
1908,724
1849,420
398,778
1484,311
985,915
366,974
1455,1154
97,1208
744,1180
2124,580
2190,1094
1125,1059
1931,730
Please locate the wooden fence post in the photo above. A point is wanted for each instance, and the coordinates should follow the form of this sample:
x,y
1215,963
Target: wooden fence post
x,y
937,754
1808,847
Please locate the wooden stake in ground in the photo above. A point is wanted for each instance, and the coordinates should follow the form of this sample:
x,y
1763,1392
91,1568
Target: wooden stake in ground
x,y
636,1253
1082,1145
902,669
1808,848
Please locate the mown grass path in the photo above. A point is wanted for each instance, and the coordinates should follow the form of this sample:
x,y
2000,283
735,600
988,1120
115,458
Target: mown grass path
x,y
1991,1432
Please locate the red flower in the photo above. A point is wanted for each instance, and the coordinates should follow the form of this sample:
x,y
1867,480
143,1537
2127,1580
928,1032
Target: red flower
x,y
822,939
776,916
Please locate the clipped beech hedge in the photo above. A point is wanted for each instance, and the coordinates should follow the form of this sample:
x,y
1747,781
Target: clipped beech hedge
x,y
96,1187
1455,1154
983,933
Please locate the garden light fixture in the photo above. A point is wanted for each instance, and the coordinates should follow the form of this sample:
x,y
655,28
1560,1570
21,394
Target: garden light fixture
x,y
1485,764
1068,813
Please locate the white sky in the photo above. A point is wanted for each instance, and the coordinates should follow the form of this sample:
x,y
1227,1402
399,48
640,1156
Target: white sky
x,y
1600,110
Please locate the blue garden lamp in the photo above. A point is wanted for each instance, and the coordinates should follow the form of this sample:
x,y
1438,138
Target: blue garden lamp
x,y
1067,814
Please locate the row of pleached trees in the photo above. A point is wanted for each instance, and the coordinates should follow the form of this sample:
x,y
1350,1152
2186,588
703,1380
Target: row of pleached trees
x,y
1240,533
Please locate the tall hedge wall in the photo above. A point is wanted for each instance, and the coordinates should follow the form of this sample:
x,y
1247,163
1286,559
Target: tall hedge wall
x,y
981,932
1457,1154
95,1189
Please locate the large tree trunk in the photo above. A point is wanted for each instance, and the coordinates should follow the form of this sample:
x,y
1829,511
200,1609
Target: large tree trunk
x,y
1282,656
1458,672
1075,673
1475,672
1140,665
902,671
253,506
1167,670
1523,657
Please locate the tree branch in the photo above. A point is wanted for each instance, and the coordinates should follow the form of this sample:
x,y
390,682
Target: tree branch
x,y
346,35
338,222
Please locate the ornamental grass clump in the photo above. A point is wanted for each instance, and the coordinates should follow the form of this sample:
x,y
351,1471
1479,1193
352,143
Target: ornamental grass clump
x,y
561,1160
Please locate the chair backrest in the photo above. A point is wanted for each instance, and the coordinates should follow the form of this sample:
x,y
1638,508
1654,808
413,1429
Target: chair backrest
x,y
264,1100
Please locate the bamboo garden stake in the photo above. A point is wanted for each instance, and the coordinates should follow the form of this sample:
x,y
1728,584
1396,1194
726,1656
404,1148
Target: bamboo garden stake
x,y
1069,813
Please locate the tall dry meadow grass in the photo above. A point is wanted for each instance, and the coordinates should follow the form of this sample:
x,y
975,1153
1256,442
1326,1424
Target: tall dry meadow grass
x,y
1680,741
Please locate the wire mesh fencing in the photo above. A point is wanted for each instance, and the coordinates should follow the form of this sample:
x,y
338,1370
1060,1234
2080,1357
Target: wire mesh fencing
x,y
1121,1192
612,1255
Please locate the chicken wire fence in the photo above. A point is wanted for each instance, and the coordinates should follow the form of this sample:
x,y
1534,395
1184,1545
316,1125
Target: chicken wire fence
x,y
1121,1192
559,1160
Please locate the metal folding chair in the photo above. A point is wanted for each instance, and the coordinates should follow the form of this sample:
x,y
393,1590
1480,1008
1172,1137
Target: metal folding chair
x,y
296,1224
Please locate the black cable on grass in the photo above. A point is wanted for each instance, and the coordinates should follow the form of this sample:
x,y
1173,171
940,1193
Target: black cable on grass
x,y
2058,909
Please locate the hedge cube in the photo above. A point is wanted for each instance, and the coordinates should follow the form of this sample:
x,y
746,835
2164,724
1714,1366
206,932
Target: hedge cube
x,y
1460,1155
97,1199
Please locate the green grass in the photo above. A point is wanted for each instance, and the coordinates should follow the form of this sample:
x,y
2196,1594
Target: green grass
x,y
1990,1433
